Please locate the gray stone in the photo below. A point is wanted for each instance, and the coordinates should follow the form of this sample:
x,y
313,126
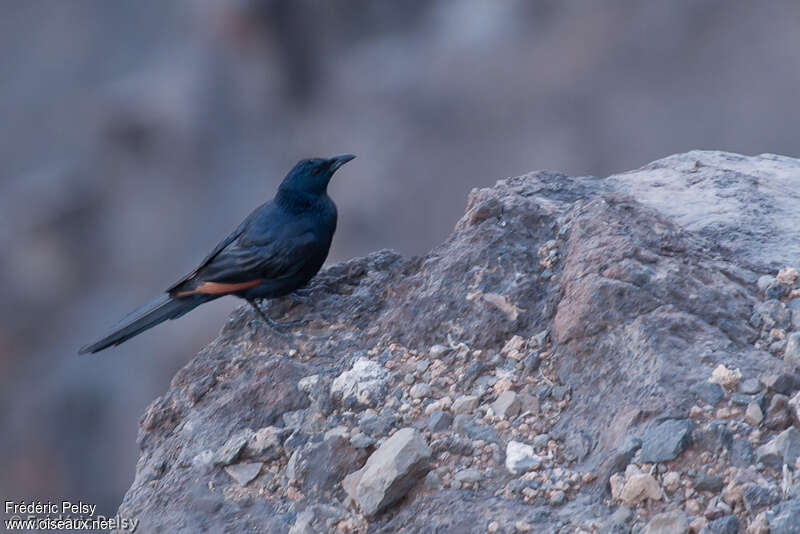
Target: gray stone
x,y
756,497
784,518
464,404
389,472
361,441
706,482
749,386
420,390
520,457
709,392
244,472
433,481
230,449
792,352
506,405
728,524
764,282
319,466
467,425
266,443
754,415
784,383
672,522
468,475
318,518
794,304
365,384
667,440
439,420
783,449
540,441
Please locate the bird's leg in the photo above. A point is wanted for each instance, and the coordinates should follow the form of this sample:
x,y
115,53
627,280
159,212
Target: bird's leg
x,y
274,324
301,295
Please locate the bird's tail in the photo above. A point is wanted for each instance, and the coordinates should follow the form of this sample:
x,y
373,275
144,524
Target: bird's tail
x,y
154,312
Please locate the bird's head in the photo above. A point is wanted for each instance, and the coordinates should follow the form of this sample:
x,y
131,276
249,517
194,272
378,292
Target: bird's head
x,y
312,175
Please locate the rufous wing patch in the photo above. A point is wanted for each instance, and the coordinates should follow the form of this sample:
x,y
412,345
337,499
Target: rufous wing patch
x,y
217,288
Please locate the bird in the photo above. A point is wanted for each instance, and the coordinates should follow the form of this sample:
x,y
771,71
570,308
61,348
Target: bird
x,y
274,252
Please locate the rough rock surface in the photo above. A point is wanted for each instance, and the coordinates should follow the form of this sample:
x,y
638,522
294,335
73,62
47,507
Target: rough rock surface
x,y
580,317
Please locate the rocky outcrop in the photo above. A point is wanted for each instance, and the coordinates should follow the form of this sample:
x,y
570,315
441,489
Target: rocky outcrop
x,y
579,355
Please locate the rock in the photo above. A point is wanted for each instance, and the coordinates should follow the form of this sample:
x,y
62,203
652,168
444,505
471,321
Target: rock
x,y
319,466
433,481
468,475
540,441
361,441
642,294
764,282
307,384
750,386
638,488
784,518
420,390
439,420
437,351
753,415
756,496
230,449
783,383
794,409
666,440
520,457
706,482
791,354
672,522
727,378
389,472
244,472
266,443
787,276
671,481
318,518
778,416
365,384
783,449
728,524
514,348
465,404
506,405
709,392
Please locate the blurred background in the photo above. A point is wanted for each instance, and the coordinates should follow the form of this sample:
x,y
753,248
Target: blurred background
x,y
135,135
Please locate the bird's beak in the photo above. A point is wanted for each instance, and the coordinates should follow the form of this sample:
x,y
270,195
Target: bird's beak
x,y
338,161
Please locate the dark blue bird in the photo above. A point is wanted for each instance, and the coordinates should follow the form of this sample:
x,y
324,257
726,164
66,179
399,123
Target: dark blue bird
x,y
275,251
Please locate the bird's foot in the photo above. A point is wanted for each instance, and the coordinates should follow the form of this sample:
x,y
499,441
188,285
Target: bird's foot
x,y
278,326
301,295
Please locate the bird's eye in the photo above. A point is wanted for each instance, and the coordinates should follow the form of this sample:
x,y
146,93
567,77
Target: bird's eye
x,y
315,170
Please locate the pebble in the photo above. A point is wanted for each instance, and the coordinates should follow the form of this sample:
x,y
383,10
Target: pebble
x,y
468,475
791,354
750,386
244,472
361,441
671,481
558,498
520,457
727,378
709,392
707,482
506,405
672,522
754,415
437,351
540,441
420,390
728,524
638,488
465,404
666,441
439,420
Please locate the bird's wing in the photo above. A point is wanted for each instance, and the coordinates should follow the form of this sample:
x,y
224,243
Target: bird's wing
x,y
281,257
214,253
